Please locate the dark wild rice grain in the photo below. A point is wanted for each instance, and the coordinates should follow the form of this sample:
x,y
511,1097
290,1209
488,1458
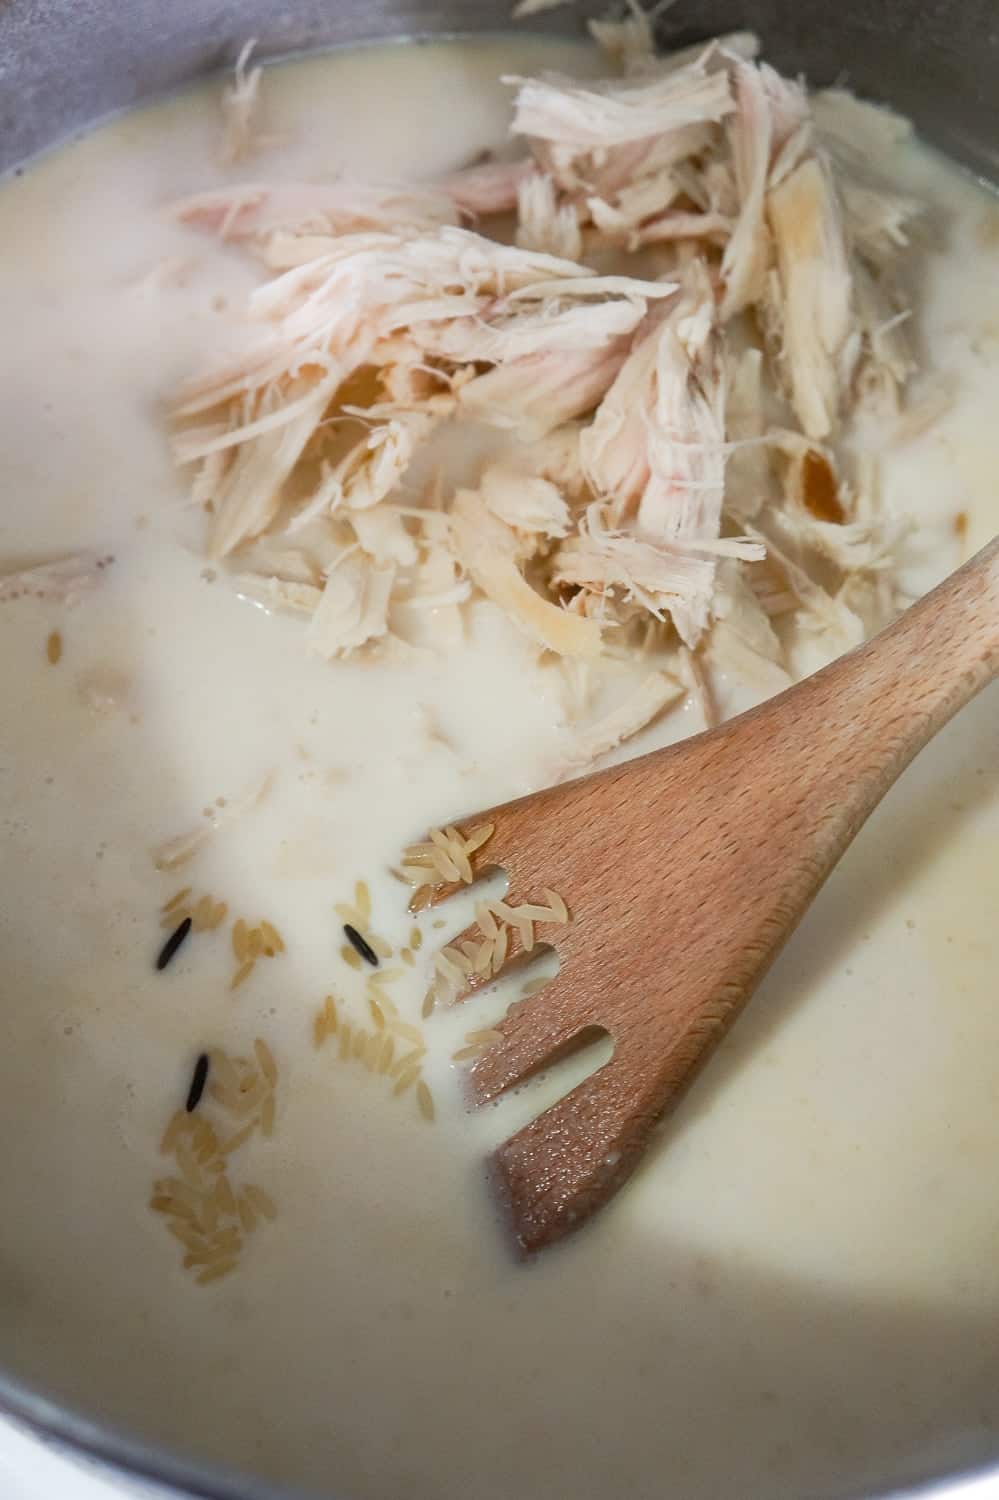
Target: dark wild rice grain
x,y
172,943
198,1082
360,944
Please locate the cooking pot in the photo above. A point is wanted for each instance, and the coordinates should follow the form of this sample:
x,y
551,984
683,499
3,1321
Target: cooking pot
x,y
65,64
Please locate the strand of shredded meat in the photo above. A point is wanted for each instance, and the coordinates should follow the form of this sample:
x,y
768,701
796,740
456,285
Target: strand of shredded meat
x,y
702,303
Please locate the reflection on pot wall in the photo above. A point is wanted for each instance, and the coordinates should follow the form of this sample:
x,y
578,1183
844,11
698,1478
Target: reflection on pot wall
x,y
62,65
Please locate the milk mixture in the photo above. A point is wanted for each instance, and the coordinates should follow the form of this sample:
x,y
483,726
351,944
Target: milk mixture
x,y
798,1292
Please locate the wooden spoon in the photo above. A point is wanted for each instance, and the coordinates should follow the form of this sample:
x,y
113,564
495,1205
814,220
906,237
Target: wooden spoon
x,y
685,871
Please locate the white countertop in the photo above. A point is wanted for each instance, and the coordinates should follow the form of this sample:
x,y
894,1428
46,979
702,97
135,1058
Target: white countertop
x,y
31,1470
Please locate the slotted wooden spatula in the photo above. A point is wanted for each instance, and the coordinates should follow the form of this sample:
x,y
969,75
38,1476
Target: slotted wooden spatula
x,y
685,871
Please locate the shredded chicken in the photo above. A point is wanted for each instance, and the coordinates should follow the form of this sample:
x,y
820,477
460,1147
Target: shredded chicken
x,y
658,691
240,107
821,340
534,7
177,851
269,213
706,293
63,581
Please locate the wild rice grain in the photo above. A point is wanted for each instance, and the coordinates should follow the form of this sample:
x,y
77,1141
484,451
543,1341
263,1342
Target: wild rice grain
x,y
360,944
198,1081
172,943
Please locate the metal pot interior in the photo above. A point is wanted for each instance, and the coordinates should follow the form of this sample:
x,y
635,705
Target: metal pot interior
x,y
64,66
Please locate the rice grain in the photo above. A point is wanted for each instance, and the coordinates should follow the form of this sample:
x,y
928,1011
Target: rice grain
x,y
240,1138
202,914
265,1058
406,1079
262,1202
215,1273
243,972
176,1126
273,941
425,1101
559,910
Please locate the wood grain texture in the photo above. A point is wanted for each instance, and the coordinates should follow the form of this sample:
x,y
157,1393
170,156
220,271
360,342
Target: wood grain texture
x,y
685,872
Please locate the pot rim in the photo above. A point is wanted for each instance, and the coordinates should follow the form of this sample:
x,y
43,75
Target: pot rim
x,y
63,1425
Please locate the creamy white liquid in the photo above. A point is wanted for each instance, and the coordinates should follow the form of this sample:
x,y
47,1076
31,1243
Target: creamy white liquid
x,y
799,1292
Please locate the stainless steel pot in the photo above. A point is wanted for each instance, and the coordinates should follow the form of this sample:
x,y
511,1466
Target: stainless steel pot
x,y
67,63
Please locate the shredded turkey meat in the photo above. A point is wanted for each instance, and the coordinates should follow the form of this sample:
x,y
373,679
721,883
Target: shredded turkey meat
x,y
657,329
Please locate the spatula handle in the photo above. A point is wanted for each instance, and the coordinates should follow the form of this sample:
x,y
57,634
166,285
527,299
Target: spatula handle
x,y
879,705
783,789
